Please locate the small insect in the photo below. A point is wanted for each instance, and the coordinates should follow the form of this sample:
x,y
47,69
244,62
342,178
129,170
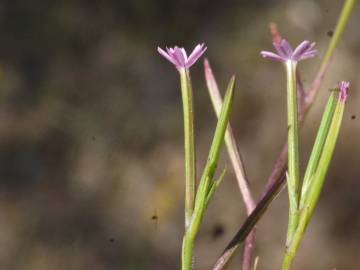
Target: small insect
x,y
353,117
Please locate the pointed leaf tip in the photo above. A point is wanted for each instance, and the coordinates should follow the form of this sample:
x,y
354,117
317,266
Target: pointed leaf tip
x,y
208,70
232,83
206,63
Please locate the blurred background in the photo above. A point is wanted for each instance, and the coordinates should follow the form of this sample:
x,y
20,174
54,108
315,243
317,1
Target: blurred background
x,y
91,154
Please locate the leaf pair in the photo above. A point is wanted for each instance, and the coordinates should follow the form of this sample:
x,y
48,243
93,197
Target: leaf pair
x,y
317,169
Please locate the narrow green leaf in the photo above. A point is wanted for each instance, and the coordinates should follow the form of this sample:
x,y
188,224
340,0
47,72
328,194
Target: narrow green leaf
x,y
220,129
212,161
232,146
326,156
319,144
316,185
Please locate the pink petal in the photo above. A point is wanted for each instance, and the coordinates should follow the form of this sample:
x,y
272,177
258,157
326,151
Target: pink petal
x,y
196,50
280,50
170,50
184,54
284,49
179,57
344,90
308,54
166,55
312,45
301,49
272,56
195,55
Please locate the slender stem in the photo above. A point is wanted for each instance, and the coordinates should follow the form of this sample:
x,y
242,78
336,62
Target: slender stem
x,y
319,178
343,19
293,148
187,252
207,183
340,26
249,247
190,167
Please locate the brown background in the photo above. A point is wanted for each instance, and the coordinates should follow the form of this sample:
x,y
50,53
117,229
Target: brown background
x,y
91,131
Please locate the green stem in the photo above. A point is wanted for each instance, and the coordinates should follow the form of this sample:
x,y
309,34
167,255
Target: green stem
x,y
314,193
190,167
342,21
207,184
293,149
187,252
340,26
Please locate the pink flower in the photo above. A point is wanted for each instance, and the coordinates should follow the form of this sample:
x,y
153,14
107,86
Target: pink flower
x,y
286,53
179,58
344,90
